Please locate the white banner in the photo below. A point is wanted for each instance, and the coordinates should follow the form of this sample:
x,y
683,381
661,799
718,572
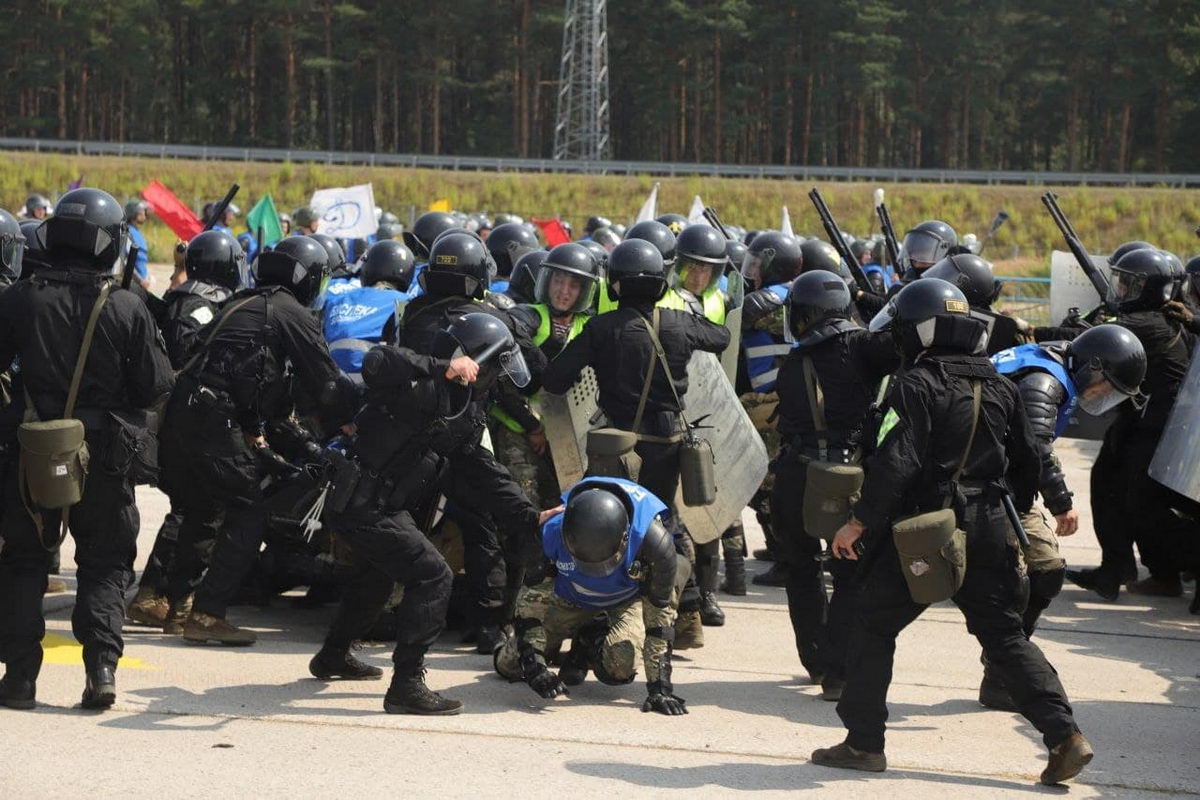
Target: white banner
x,y
346,212
649,208
785,224
696,214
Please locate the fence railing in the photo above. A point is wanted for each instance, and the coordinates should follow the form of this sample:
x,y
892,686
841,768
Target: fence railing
x,y
664,168
1027,298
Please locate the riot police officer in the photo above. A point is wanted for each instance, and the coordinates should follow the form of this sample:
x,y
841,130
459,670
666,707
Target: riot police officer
x,y
826,387
215,455
125,371
455,284
954,441
408,433
506,243
425,230
636,393
611,556
923,246
215,266
657,234
1101,368
12,248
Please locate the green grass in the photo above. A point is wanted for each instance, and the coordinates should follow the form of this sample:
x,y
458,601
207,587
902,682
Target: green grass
x,y
1104,217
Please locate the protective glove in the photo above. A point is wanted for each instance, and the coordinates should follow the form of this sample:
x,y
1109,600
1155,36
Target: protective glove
x,y
661,698
546,683
1178,311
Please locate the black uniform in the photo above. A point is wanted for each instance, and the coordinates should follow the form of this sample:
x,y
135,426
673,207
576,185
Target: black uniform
x,y
239,385
922,440
42,320
183,311
473,472
848,366
618,347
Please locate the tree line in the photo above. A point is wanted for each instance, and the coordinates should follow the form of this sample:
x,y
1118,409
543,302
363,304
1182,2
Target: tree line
x,y
1008,84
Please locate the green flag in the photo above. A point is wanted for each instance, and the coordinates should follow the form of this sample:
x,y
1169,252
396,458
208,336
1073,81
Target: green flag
x,y
264,216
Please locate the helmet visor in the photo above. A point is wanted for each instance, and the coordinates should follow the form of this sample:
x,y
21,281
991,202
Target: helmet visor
x,y
564,291
754,266
1099,395
514,366
602,569
698,277
883,320
1126,286
922,249
12,252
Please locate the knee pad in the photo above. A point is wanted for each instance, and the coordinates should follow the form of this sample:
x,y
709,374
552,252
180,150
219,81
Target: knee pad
x,y
1046,584
624,654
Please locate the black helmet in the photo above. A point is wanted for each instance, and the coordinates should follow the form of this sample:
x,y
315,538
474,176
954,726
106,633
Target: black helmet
x,y
426,229
12,243
859,248
459,266
215,257
1141,280
700,247
605,237
574,260
635,271
503,239
337,255
657,234
388,230
597,250
1108,364
1191,272
735,251
931,313
596,223
304,216
595,528
487,341
35,202
772,257
924,246
820,255
478,221
388,218
133,208
748,236
89,223
33,242
387,261
815,297
619,229
504,217
674,222
298,264
971,274
1127,247
524,275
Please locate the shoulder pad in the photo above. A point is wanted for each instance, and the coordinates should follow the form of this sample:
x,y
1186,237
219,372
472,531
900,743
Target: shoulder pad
x,y
500,301
826,330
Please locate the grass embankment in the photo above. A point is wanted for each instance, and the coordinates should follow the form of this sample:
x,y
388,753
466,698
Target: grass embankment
x,y
1104,217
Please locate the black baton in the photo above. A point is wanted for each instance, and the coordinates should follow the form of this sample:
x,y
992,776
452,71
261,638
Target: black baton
x,y
1014,518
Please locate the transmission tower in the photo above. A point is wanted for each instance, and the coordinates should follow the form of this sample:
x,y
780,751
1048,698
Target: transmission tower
x,y
581,126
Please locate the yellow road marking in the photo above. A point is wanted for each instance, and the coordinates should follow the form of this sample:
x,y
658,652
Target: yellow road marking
x,y
61,649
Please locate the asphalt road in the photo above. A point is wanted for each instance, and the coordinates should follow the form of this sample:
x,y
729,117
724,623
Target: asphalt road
x,y
204,721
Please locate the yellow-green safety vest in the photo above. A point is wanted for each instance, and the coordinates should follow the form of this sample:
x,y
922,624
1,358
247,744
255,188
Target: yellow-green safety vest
x,y
542,334
713,301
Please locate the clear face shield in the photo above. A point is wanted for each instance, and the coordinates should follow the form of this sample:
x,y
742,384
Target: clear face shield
x,y
922,249
602,569
507,356
12,252
754,266
564,292
697,277
883,320
1096,393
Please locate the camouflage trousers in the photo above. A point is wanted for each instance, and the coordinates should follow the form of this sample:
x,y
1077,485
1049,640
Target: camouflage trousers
x,y
545,620
761,408
533,473
1042,554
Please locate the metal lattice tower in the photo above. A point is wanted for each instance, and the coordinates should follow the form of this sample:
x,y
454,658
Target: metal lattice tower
x,y
581,126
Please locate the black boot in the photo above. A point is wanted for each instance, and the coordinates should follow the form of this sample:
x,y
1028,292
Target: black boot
x,y
336,663
1098,580
711,613
735,573
101,689
488,639
408,694
993,694
775,576
585,646
17,693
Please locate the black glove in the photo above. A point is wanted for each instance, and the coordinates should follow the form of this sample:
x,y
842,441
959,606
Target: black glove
x,y
660,698
546,683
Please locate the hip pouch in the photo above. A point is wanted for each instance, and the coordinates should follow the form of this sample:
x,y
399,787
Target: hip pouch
x,y
610,452
933,554
697,476
932,548
133,447
53,462
830,489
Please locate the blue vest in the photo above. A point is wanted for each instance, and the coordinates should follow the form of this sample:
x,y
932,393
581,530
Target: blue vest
x,y
1032,356
141,267
611,590
764,351
889,278
249,245
499,286
354,320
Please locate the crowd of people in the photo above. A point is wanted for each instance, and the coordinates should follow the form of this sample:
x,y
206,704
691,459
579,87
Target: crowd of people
x,y
364,419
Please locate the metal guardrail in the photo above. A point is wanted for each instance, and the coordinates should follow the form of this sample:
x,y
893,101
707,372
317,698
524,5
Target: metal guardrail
x,y
1025,297
663,168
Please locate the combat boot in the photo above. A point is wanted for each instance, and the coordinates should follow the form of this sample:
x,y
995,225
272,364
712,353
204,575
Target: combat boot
x,y
775,576
1098,580
689,631
763,554
334,663
148,608
574,668
993,694
1067,759
843,756
1156,587
177,615
735,574
100,692
831,688
711,614
55,586
488,639
408,694
17,693
207,628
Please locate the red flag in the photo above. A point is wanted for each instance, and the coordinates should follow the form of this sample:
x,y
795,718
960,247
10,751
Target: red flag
x,y
171,210
553,230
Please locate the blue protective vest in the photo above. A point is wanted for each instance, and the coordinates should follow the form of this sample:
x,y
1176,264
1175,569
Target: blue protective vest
x,y
611,590
1032,356
249,245
354,321
498,286
141,267
889,278
764,351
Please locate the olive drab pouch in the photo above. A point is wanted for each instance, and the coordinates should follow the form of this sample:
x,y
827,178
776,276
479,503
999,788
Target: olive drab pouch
x,y
53,462
610,452
830,487
932,548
